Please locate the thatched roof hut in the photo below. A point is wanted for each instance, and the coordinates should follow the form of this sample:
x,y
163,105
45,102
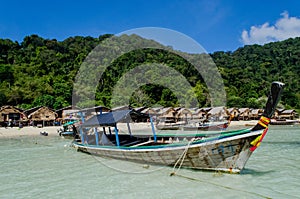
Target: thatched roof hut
x,y
11,113
157,110
234,113
183,114
256,113
42,115
150,111
244,114
142,116
277,113
218,113
287,114
167,114
67,112
87,113
199,113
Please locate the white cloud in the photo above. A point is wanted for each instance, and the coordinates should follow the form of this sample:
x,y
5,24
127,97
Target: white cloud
x,y
284,28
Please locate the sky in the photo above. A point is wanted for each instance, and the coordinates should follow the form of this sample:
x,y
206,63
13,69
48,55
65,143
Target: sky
x,y
217,25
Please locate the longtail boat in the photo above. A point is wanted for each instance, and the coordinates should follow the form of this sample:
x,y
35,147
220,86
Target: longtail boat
x,y
226,151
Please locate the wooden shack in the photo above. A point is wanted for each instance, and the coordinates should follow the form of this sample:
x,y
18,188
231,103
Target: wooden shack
x,y
199,114
87,113
244,114
256,113
167,114
217,113
143,117
150,111
66,112
234,113
287,114
183,114
41,116
11,114
277,113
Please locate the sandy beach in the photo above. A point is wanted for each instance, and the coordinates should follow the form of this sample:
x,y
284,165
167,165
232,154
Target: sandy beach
x,y
27,131
52,130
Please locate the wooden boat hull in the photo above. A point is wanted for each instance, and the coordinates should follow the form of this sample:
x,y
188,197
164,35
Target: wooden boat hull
x,y
68,134
226,154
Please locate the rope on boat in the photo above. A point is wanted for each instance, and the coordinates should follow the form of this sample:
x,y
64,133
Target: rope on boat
x,y
182,157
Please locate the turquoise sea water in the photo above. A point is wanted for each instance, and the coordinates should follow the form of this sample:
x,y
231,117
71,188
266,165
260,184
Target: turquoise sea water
x,y
46,167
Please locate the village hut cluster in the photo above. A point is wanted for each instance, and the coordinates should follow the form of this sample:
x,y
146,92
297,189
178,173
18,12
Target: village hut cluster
x,y
45,116
213,114
38,116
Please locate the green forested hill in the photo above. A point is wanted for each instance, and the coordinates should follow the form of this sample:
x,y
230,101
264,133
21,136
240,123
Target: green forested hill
x,y
248,70
40,71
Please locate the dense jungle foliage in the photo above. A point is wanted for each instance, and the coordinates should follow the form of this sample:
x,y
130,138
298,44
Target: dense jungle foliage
x,y
41,71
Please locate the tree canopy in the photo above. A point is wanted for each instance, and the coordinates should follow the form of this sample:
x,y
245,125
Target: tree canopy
x,y
41,71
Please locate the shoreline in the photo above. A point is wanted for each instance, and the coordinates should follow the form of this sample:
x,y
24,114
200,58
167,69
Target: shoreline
x,y
30,131
15,132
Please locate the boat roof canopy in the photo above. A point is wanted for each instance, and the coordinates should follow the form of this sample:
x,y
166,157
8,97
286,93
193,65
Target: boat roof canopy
x,y
111,118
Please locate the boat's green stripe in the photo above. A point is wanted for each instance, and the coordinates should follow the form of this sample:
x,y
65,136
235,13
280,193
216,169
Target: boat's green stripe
x,y
206,134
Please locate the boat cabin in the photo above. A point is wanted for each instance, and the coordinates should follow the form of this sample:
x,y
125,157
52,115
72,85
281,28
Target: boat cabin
x,y
102,129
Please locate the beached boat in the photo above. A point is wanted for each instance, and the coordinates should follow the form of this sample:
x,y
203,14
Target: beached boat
x,y
222,151
68,131
166,126
44,133
283,122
